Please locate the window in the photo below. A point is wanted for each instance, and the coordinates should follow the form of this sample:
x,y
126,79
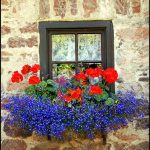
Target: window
x,y
76,43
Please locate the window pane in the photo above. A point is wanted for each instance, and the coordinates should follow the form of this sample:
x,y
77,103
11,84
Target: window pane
x,y
89,47
66,70
63,47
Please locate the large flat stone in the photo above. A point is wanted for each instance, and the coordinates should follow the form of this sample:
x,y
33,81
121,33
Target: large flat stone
x,y
46,146
13,131
141,146
13,144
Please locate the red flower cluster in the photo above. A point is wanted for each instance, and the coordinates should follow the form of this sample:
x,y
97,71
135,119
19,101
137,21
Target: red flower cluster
x,y
94,72
16,77
95,90
26,69
67,98
73,94
80,76
34,80
110,75
35,68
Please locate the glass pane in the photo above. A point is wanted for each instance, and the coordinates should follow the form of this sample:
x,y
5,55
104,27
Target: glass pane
x,y
63,47
66,70
89,47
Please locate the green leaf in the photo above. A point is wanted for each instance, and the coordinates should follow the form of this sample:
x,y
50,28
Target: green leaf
x,y
114,96
50,82
44,95
51,89
43,84
98,97
109,101
102,86
30,90
69,105
54,100
75,83
116,101
104,95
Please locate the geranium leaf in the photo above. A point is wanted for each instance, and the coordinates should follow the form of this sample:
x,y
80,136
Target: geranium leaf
x,y
104,95
43,84
51,82
109,101
98,97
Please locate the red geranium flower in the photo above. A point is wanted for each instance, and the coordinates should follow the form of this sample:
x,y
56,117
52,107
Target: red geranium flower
x,y
80,76
99,71
75,94
67,98
25,69
35,68
90,72
94,72
34,80
16,77
95,90
84,82
110,75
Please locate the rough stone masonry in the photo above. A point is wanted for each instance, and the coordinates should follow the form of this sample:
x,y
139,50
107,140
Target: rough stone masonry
x,y
20,45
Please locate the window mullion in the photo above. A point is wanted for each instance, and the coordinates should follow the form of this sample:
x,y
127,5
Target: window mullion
x,y
104,51
76,49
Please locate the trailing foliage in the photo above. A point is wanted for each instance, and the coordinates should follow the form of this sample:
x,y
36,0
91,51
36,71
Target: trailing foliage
x,y
53,119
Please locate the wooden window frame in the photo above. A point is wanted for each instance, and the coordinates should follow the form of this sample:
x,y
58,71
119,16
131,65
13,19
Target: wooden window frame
x,y
46,28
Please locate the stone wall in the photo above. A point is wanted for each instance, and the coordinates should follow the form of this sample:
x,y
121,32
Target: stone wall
x,y
20,45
